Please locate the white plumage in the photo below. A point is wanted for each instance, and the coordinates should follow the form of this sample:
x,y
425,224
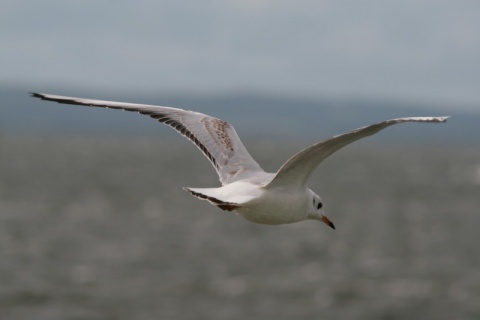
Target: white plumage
x,y
258,196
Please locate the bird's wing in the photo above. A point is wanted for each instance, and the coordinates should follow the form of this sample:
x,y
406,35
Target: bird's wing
x,y
298,168
216,138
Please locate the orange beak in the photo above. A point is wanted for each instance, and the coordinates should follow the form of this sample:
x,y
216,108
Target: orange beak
x,y
328,222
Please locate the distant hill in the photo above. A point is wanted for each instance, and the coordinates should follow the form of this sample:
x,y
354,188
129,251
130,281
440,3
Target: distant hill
x,y
253,115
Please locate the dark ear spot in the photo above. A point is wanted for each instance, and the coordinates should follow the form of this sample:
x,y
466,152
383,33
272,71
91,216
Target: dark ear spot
x,y
319,205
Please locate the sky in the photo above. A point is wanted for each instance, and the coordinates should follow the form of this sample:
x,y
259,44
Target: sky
x,y
409,50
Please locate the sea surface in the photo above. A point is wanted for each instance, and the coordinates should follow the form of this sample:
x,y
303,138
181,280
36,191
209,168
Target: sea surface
x,y
99,228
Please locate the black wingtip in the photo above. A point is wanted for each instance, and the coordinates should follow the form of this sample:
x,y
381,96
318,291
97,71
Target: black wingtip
x,y
36,95
58,99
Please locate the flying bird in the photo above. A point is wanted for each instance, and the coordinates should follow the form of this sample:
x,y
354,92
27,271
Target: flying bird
x,y
258,196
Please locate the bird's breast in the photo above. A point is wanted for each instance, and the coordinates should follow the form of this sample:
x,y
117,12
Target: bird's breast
x,y
276,207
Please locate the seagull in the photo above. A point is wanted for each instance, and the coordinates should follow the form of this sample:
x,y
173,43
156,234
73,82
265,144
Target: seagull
x,y
258,196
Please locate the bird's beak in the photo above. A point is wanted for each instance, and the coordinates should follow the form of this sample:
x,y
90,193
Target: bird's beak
x,y
327,221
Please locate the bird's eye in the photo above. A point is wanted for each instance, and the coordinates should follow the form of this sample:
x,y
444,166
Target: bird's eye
x,y
319,205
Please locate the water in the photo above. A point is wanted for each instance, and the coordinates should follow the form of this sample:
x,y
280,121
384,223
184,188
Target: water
x,y
99,228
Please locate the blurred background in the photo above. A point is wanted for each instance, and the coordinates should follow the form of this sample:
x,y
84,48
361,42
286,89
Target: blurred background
x,y
93,221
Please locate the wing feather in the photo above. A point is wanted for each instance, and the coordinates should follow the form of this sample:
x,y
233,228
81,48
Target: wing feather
x,y
216,138
298,168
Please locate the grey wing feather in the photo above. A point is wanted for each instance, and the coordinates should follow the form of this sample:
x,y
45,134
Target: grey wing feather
x,y
298,168
216,138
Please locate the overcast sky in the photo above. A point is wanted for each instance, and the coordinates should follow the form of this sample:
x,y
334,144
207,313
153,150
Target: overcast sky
x,y
412,50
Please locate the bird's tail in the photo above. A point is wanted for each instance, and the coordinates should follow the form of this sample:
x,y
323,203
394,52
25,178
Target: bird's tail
x,y
209,194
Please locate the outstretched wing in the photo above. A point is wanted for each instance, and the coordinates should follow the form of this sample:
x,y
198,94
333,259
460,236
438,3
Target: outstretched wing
x,y
216,138
298,168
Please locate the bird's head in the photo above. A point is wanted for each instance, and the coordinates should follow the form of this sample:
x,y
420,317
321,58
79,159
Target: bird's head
x,y
315,209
